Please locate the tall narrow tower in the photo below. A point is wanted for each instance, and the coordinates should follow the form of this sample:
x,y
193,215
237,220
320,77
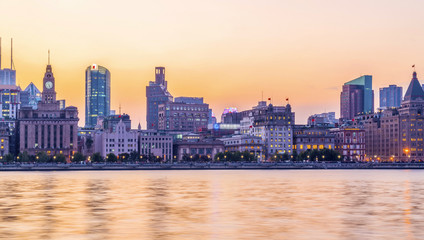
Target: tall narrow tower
x,y
49,92
97,94
156,93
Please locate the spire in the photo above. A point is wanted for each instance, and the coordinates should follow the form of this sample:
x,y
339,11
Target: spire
x,y
11,53
48,62
139,126
415,90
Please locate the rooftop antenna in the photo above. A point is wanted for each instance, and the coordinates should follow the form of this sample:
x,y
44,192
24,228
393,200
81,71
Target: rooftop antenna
x,y
262,96
11,54
0,53
119,108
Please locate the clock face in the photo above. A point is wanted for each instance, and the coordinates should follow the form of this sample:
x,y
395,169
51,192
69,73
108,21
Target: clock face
x,y
49,84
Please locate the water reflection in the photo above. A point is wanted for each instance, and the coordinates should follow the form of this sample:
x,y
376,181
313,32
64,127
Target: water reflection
x,y
97,213
255,204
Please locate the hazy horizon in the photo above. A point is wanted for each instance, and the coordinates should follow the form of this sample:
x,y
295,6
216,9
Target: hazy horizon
x,y
227,52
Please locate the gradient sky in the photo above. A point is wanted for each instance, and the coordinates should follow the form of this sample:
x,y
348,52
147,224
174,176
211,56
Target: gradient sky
x,y
225,51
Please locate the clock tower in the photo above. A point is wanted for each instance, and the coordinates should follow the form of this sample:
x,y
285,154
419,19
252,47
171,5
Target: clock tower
x,y
49,93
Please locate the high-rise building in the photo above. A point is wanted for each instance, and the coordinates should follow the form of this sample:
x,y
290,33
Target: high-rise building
x,y
8,75
396,134
390,96
97,94
357,97
9,101
47,128
9,92
183,116
156,93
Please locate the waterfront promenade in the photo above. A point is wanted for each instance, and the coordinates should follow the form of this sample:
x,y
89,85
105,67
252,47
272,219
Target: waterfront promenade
x,y
204,166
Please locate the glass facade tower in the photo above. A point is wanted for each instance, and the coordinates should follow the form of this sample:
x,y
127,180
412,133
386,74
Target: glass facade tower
x,y
357,97
390,96
97,94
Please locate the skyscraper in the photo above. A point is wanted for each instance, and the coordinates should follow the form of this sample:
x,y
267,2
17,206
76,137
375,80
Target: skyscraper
x,y
9,92
357,97
390,96
97,94
396,134
156,93
8,75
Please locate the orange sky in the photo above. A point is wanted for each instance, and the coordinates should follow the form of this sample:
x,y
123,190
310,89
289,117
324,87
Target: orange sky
x,y
225,51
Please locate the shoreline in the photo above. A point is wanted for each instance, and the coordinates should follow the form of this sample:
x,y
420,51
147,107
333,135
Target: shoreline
x,y
210,166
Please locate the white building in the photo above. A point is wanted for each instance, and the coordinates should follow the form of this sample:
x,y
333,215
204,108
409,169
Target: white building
x,y
121,140
156,143
277,139
244,143
246,125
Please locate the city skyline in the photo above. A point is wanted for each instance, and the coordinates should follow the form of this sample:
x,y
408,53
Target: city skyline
x,y
229,60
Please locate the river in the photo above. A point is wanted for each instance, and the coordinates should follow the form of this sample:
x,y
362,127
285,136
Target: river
x,y
211,204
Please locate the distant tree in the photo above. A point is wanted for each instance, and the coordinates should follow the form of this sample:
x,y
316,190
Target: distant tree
x,y
8,158
204,158
78,157
60,158
96,157
219,157
134,156
111,158
294,155
186,157
124,157
42,157
24,157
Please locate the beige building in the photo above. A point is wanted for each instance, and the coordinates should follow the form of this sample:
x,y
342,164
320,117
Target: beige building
x,y
48,128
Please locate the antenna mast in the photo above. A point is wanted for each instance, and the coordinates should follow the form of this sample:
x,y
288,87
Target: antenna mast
x,y
11,54
0,53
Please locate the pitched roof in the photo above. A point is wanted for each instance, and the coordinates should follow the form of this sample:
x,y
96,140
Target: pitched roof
x,y
32,89
415,90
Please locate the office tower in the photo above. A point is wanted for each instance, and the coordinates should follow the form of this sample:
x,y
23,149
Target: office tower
x,y
8,75
390,96
156,93
47,128
9,92
97,94
186,114
357,97
396,134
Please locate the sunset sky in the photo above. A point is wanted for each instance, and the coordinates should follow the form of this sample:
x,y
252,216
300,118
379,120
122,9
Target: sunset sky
x,y
225,51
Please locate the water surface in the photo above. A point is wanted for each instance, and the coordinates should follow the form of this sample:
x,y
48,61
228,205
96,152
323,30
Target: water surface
x,y
227,204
